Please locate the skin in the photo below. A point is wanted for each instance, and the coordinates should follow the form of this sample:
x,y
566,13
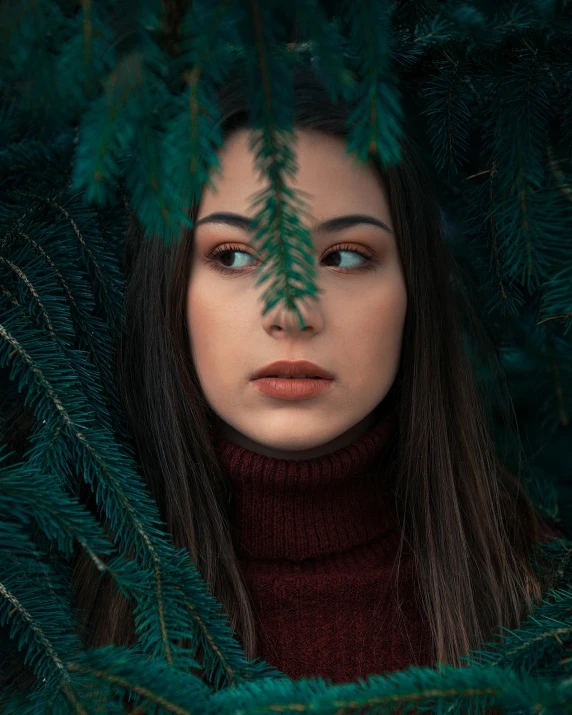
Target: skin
x,y
354,331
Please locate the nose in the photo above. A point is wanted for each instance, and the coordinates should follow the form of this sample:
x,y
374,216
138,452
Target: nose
x,y
287,323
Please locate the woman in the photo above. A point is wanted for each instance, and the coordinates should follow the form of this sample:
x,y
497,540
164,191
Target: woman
x,y
365,523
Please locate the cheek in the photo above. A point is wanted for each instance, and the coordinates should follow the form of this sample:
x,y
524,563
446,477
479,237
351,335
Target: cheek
x,y
207,307
377,314
373,330
392,309
201,330
216,325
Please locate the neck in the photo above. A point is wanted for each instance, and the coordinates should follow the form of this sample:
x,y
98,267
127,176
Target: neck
x,y
298,509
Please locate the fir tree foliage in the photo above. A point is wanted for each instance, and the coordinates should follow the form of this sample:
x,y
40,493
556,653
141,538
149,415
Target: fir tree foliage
x,y
105,104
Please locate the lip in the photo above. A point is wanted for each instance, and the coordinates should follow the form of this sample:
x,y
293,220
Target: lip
x,y
291,388
292,367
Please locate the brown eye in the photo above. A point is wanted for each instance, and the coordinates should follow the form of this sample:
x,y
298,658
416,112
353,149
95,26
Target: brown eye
x,y
225,253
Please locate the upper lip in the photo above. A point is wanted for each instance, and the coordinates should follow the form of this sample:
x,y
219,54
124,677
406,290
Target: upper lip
x,y
289,367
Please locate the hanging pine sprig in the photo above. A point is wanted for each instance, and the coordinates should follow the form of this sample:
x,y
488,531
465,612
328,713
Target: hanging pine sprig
x,y
93,100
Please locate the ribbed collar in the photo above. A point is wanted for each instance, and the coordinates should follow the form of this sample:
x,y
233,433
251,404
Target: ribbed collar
x,y
298,509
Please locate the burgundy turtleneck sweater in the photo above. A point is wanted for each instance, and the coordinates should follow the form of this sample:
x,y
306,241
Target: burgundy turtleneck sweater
x,y
317,541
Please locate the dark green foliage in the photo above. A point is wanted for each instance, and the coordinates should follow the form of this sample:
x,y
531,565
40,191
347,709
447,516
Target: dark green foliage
x,y
100,106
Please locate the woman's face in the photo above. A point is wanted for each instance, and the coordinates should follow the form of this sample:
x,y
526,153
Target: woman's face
x,y
354,331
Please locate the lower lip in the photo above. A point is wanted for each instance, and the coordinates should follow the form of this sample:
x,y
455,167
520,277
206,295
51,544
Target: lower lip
x,y
292,389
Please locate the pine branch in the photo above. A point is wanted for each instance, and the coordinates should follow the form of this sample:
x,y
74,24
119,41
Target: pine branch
x,y
487,89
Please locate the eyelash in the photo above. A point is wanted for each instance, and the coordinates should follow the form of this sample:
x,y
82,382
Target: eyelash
x,y
370,263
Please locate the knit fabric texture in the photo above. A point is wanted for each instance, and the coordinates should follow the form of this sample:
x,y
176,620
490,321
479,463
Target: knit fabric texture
x,y
317,541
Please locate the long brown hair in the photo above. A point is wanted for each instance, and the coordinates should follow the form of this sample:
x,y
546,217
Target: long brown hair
x,y
466,519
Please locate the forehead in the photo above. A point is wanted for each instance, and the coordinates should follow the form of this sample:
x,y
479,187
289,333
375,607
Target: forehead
x,y
329,180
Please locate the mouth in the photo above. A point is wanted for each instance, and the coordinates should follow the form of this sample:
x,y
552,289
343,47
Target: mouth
x,y
293,370
292,377
293,387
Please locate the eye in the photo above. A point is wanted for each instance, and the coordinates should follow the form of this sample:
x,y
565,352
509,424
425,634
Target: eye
x,y
226,251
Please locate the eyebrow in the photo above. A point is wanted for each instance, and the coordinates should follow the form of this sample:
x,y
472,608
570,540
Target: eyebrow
x,y
338,223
